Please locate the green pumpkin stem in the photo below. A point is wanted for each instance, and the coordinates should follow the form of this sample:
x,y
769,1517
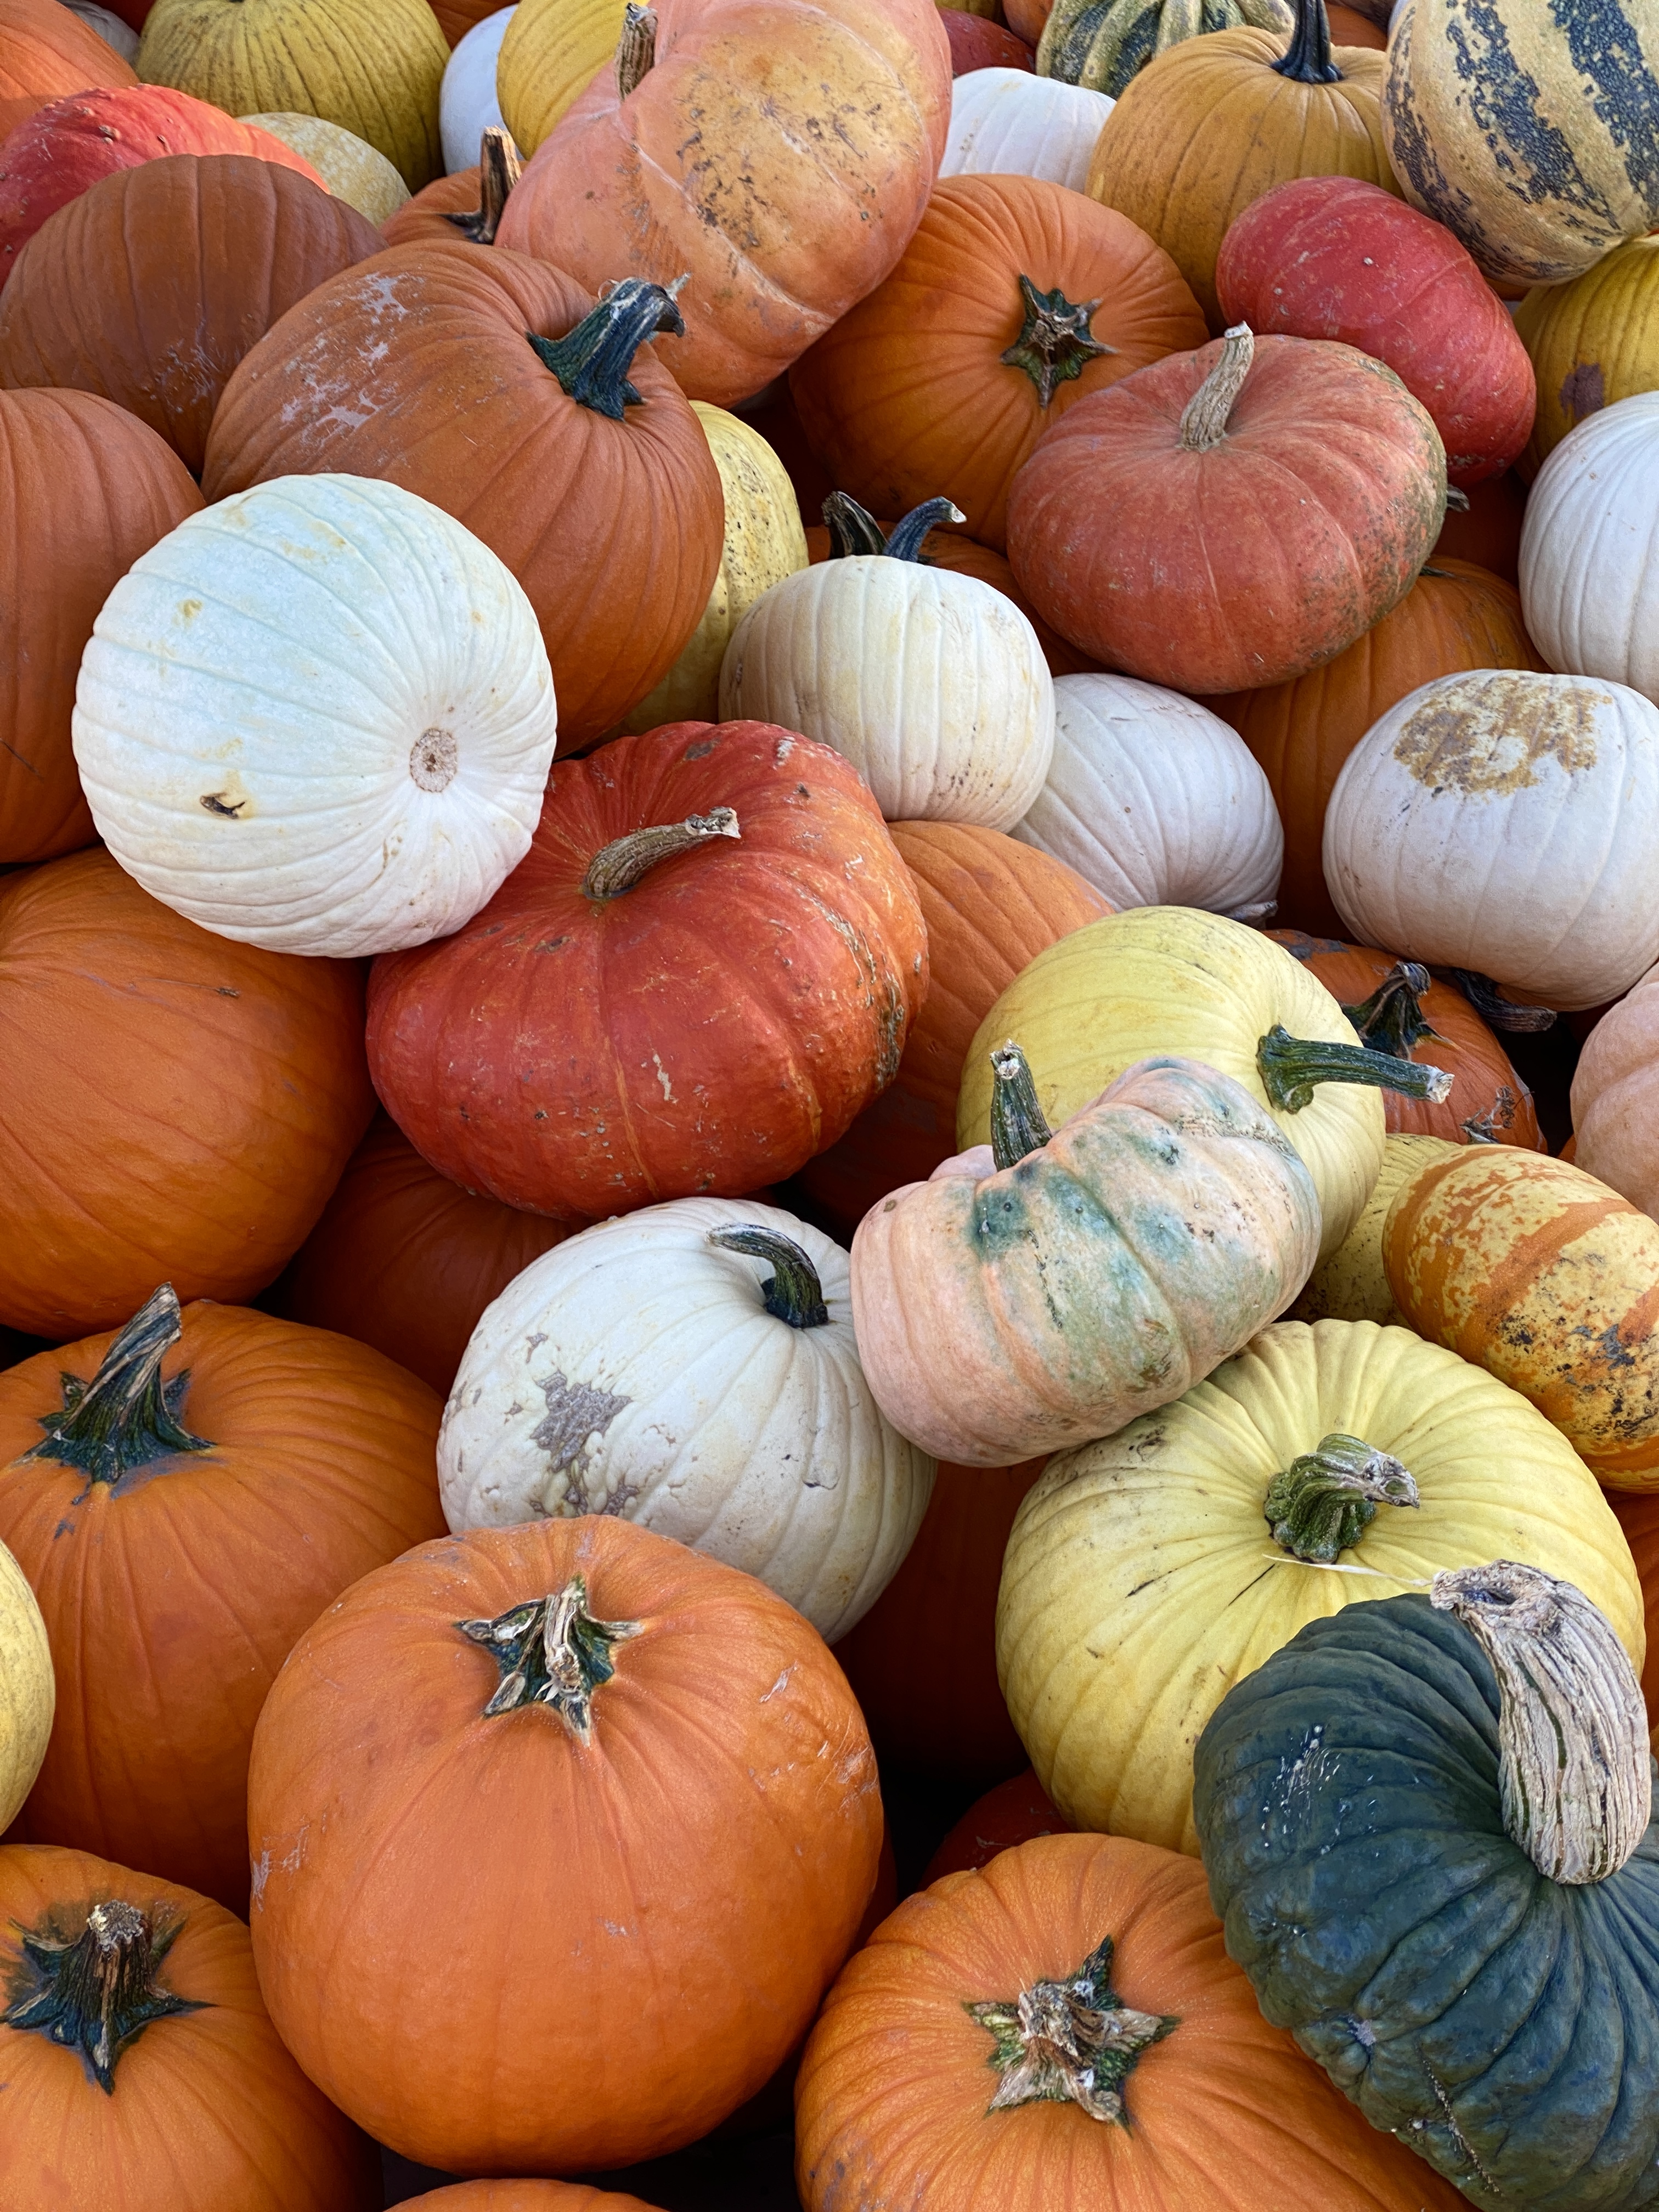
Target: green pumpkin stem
x,y
95,1992
854,531
1204,418
499,170
1495,1010
591,362
1055,343
637,49
1391,1020
1291,1069
617,867
1017,1123
1324,1501
1307,60
551,1652
1071,2042
126,1417
792,1292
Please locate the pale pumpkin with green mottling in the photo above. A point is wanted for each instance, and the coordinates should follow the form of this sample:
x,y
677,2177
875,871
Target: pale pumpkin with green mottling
x,y
1353,1284
28,1689
1101,44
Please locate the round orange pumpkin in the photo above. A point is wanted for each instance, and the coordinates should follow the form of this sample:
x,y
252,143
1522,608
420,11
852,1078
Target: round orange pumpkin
x,y
648,1825
1012,1813
186,1497
176,1107
192,2104
1015,299
47,51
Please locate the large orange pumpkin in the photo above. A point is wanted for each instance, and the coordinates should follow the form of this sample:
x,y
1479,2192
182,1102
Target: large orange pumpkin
x,y
45,52
1015,299
175,1107
990,904
184,1497
181,2099
84,490
493,387
929,2080
648,1824
1455,616
151,286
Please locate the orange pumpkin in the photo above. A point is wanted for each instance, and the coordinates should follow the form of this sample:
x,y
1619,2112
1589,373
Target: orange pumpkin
x,y
622,1742
1615,1097
457,17
1351,28
467,203
181,2099
528,2196
1638,1516
1012,1813
1015,299
184,1497
1454,618
47,51
176,1107
84,490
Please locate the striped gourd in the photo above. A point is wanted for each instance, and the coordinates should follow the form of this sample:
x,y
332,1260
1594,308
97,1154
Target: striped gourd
x,y
1101,44
1530,128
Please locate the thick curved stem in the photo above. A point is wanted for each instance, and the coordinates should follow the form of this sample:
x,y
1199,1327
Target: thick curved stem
x,y
616,868
1291,1069
910,535
499,170
126,1417
1496,1011
95,1993
793,1292
1391,1020
1204,418
1325,1499
1307,59
592,361
1071,2042
551,1652
1018,1123
637,49
1055,343
853,529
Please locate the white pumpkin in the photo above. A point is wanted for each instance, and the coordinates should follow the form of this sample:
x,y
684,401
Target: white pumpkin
x,y
933,684
319,717
1590,548
708,1391
1505,822
1155,801
1007,123
28,1689
467,104
354,171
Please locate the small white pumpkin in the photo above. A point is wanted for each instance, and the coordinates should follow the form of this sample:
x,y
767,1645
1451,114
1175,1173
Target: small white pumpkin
x,y
1155,801
354,171
28,1689
319,717
1590,548
467,104
691,1367
933,684
1505,821
1007,123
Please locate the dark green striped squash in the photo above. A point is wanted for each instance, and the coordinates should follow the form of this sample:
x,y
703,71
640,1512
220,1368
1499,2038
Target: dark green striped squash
x,y
1101,44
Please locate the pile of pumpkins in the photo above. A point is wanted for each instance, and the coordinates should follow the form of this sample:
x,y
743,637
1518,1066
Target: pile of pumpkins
x,y
780,787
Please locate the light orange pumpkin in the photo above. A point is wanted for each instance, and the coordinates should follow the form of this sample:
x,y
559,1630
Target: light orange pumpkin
x,y
47,51
1615,1097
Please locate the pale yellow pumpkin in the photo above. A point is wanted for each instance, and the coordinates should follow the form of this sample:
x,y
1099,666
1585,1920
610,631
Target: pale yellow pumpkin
x,y
1143,1579
28,1689
353,170
551,55
1353,1284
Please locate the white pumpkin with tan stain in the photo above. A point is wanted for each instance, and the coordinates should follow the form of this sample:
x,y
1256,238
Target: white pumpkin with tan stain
x,y
28,1689
1007,123
638,1370
1589,549
1505,821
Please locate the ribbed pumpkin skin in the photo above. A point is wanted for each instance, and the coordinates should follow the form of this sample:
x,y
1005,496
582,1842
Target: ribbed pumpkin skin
x,y
1007,123
908,396
173,1599
456,407
177,1108
1352,1284
1638,1516
1455,616
28,1689
1103,43
1533,1270
977,43
373,66
1223,2114
208,2111
1513,2021
84,490
1593,509
47,53
1592,342
990,906
1615,1097
1247,564
151,286
423,218
552,51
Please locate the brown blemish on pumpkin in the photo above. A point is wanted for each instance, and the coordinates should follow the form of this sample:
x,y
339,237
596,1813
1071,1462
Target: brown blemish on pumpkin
x,y
1485,737
1584,391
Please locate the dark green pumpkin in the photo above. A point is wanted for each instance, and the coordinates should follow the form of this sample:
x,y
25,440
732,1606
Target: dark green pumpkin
x,y
1504,2024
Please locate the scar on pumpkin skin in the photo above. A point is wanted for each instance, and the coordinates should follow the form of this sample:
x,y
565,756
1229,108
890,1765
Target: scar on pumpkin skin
x,y
1486,740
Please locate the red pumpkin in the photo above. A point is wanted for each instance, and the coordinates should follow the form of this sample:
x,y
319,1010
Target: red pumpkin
x,y
1013,1813
197,2107
204,1488
582,1047
977,43
491,386
1638,1516
176,1107
47,53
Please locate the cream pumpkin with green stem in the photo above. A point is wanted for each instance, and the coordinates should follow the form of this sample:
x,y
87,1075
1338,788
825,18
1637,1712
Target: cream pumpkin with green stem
x,y
28,1689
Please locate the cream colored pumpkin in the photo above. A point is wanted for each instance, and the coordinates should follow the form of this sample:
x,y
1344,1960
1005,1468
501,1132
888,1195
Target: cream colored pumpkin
x,y
1006,123
1589,549
551,55
710,1392
467,105
1353,1284
1616,1098
1505,821
764,542
28,1689
1155,801
351,168
318,717
1143,1579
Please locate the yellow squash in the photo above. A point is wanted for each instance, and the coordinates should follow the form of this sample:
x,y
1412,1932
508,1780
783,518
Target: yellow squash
x,y
1353,1284
551,53
28,1689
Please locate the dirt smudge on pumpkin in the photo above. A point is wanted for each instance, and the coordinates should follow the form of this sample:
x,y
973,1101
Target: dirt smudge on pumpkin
x,y
1584,391
575,1415
1486,737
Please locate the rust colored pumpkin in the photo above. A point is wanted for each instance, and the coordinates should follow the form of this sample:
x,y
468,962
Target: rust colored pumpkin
x,y
84,490
977,43
1489,532
620,1740
927,2078
707,965
1454,618
1638,1516
457,17
153,285
47,53
468,203
407,1261
528,2196
179,2098
1015,299
1013,1813
176,1108
493,386
990,904
186,1497
1396,1008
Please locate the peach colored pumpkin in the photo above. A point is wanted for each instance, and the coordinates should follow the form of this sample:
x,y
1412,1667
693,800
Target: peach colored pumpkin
x,y
1616,1098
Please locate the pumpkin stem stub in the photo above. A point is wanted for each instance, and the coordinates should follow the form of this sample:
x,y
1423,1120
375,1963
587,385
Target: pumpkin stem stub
x,y
637,49
1055,343
1391,1019
1497,1012
1070,2042
499,170
127,1416
96,1993
1291,1068
1019,1126
617,867
1575,1774
1324,1501
1307,59
792,1292
592,361
551,1652
1204,418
